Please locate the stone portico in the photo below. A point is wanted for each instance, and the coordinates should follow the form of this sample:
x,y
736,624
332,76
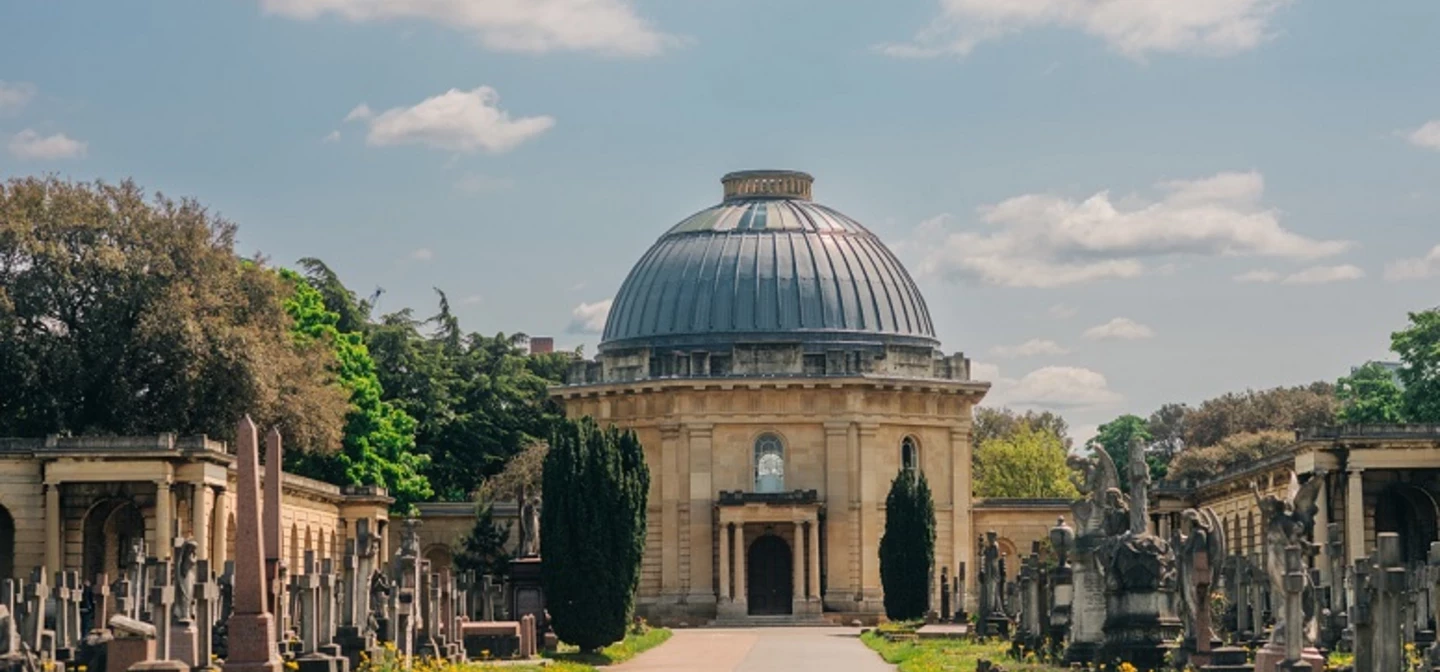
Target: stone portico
x,y
756,531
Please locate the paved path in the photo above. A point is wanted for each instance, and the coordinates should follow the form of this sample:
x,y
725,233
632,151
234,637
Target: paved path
x,y
760,650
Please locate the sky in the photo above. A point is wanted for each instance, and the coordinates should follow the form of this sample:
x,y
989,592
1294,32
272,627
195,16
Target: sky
x,y
1108,204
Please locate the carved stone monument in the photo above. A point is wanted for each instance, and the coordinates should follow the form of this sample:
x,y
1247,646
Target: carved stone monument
x,y
251,640
1101,487
1140,580
1290,521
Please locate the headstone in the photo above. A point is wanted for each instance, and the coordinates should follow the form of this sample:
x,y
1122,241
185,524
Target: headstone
x,y
134,643
944,594
100,595
185,632
207,603
161,600
325,616
250,631
63,644
1362,614
960,589
1388,643
37,594
487,602
306,586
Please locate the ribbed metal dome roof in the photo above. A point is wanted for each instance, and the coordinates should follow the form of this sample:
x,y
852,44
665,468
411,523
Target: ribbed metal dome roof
x,y
767,264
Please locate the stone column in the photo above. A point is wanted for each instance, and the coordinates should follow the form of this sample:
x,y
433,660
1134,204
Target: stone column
x,y
815,557
961,480
668,485
838,497
872,495
200,519
54,542
1322,526
220,531
701,493
164,519
741,595
1355,515
797,566
724,560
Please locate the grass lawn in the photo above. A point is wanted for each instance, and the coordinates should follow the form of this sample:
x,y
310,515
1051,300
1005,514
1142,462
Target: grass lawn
x,y
947,655
568,658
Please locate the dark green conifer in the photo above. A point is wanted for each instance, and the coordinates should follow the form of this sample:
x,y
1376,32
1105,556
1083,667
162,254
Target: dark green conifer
x,y
907,548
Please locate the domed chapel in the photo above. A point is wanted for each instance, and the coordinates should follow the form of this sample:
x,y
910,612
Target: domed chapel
x,y
780,367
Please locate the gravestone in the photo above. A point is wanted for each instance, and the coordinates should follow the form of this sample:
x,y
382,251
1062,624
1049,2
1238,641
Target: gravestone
x,y
1362,614
185,632
250,631
1389,645
944,594
1432,655
37,594
328,610
134,643
960,589
207,603
64,645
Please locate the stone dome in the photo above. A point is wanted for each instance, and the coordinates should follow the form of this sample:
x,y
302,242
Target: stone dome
x,y
767,264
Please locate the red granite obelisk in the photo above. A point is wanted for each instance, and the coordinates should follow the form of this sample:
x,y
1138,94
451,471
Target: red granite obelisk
x,y
274,454
252,642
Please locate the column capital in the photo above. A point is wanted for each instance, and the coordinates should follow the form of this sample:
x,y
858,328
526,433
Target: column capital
x,y
701,429
837,427
669,430
868,429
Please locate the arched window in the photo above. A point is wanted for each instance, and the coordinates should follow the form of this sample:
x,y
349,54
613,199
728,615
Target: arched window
x,y
909,455
769,464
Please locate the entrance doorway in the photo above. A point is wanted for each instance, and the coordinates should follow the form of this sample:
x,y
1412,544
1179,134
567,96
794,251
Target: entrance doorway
x,y
767,573
1410,512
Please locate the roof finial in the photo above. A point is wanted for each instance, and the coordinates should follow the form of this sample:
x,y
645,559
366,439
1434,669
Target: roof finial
x,y
747,184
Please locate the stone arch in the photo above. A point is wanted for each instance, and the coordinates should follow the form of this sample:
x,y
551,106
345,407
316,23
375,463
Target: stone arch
x,y
108,529
1411,512
7,544
441,557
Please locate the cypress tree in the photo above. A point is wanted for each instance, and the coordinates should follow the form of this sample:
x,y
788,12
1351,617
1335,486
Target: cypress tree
x,y
592,528
907,548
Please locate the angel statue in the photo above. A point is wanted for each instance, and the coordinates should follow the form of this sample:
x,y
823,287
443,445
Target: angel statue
x,y
1101,487
1290,521
1199,532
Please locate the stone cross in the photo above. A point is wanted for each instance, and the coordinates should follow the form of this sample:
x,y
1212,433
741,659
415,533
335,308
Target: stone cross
x,y
62,614
77,597
1362,616
432,604
250,630
1388,644
325,616
367,545
1029,605
487,605
101,593
124,603
162,597
306,585
207,602
37,592
134,563
353,585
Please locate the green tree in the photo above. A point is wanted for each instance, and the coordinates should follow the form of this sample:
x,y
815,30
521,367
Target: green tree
x,y
1205,462
592,530
1114,437
1029,462
122,314
1167,429
483,550
1419,348
1369,395
907,547
378,443
1003,422
1280,408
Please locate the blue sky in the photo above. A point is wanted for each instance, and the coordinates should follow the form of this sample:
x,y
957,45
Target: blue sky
x,y
1108,205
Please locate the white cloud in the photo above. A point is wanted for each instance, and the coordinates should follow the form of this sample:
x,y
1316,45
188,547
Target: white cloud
x,y
1314,275
461,121
332,136
1417,268
1051,387
1427,136
534,26
589,318
1134,28
421,254
1035,347
474,183
1119,329
1048,241
1061,311
28,144
15,95
1062,387
1261,275
1320,275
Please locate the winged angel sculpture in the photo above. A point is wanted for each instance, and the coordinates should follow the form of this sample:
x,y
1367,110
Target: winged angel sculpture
x,y
1290,520
1199,531
1105,509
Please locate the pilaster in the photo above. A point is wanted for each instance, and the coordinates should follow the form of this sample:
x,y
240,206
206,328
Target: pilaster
x,y
698,440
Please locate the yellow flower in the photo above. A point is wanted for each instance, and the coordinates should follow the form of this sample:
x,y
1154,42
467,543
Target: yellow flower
x,y
1127,667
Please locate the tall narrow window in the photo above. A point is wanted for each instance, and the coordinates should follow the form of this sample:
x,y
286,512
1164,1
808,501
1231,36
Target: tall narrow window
x,y
909,455
769,464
